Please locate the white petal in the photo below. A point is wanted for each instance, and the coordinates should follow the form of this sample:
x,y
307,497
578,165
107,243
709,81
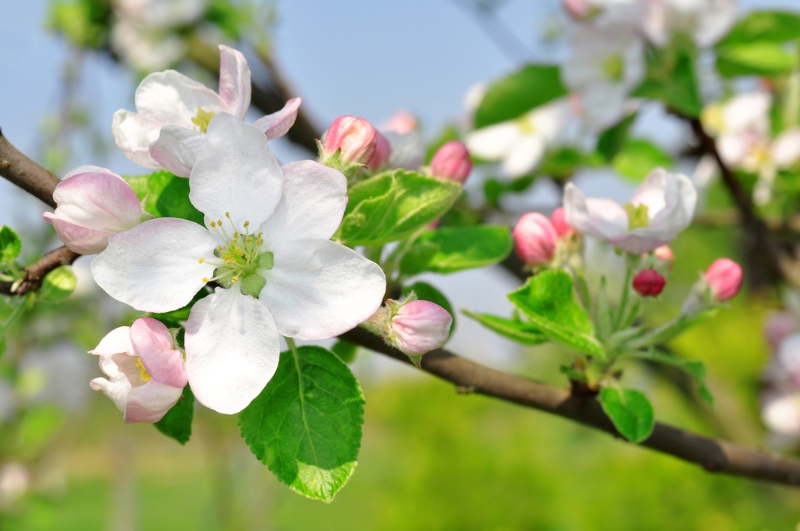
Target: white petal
x,y
786,148
234,81
319,289
117,341
604,104
549,120
495,141
133,134
601,218
177,149
524,156
679,201
781,412
154,267
232,350
174,99
311,206
117,391
150,402
277,124
715,21
236,173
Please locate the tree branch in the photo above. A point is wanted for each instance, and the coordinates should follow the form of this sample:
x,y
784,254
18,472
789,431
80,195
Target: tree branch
x,y
36,272
25,173
712,454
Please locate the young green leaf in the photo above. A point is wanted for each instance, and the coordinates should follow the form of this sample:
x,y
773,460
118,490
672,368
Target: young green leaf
x,y
766,59
695,369
345,350
613,139
518,93
306,423
630,411
177,423
426,292
673,80
459,248
638,157
763,26
10,245
548,301
58,284
168,196
392,205
519,331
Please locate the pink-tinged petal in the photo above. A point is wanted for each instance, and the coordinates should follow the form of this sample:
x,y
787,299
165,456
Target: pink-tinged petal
x,y
420,326
156,267
601,218
101,201
524,156
277,124
172,98
318,289
87,168
78,238
236,173
535,239
232,350
133,134
679,201
117,391
118,341
150,402
312,205
154,345
177,149
234,81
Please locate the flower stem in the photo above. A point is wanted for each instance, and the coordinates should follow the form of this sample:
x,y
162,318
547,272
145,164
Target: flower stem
x,y
292,346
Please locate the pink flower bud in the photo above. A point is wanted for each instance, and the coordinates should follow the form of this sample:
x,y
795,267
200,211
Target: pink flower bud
x,y
420,326
92,204
724,279
578,9
401,122
559,220
383,151
452,162
649,282
355,137
664,253
535,239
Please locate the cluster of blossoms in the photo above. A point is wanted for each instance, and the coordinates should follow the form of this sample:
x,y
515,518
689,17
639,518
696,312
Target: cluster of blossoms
x,y
780,401
264,248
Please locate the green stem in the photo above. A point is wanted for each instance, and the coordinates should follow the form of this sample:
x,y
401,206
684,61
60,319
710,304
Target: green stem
x,y
292,346
623,303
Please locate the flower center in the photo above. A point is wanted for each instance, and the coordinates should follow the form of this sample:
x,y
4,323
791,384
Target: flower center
x,y
637,216
202,118
143,374
525,123
613,67
241,258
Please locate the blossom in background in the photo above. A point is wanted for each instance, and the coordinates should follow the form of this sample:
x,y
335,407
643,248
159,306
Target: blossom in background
x,y
407,147
451,162
535,239
93,203
724,279
706,21
173,113
146,373
521,143
266,243
781,401
659,210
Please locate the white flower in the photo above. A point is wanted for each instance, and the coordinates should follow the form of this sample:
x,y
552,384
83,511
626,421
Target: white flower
x,y
173,113
706,21
266,243
780,411
606,61
146,374
660,209
521,143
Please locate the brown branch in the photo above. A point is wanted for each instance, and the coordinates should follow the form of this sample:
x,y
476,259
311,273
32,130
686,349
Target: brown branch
x,y
712,454
25,173
36,272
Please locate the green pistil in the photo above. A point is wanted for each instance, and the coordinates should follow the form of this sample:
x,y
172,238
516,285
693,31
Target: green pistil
x,y
613,67
243,260
202,118
637,216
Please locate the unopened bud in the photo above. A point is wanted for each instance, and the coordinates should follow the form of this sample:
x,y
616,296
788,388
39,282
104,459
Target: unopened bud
x,y
649,283
355,137
383,152
559,220
664,253
452,162
535,239
402,122
419,326
724,279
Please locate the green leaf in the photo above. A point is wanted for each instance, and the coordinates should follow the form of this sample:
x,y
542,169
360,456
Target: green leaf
x,y
58,284
518,93
638,157
672,78
519,331
763,26
417,257
754,59
429,293
139,184
392,205
345,350
459,248
10,245
630,411
561,163
177,423
695,369
613,139
169,197
548,301
306,424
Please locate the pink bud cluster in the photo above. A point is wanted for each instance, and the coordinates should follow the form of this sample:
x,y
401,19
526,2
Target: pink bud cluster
x,y
536,237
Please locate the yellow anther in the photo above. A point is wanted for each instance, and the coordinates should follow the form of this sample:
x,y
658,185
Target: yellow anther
x,y
238,251
205,279
228,215
259,242
247,257
142,371
213,224
246,223
235,235
235,279
219,222
219,248
249,239
259,235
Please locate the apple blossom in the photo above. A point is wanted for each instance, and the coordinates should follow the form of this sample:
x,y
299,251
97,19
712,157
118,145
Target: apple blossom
x,y
266,243
780,410
706,21
535,239
402,122
661,208
146,371
779,326
451,162
648,283
724,279
92,203
354,138
521,143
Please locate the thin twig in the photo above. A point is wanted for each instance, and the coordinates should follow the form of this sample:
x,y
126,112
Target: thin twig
x,y
37,271
25,173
